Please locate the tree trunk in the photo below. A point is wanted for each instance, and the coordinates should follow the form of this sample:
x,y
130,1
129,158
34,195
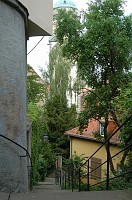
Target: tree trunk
x,y
111,161
123,158
106,145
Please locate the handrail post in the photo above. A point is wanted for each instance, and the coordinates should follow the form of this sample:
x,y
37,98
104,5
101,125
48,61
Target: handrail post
x,y
69,185
108,164
65,179
72,176
60,178
88,176
79,179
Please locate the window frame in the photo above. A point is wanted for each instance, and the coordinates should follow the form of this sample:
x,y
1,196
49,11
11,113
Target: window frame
x,y
95,162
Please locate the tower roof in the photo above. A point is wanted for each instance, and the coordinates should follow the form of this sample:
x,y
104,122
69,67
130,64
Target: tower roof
x,y
65,4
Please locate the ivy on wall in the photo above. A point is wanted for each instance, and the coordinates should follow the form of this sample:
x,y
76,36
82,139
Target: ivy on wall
x,y
34,113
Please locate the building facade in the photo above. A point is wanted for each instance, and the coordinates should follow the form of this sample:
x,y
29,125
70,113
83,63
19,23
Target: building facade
x,y
18,20
86,143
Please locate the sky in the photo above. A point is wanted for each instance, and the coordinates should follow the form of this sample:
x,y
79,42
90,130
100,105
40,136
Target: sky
x,y
39,56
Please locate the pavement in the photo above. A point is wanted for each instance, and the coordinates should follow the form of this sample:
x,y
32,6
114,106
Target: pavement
x,y
49,191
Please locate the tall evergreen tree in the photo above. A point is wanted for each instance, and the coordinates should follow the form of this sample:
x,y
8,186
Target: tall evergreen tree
x,y
58,116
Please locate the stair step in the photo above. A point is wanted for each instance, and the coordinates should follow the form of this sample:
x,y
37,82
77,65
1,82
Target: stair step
x,y
48,184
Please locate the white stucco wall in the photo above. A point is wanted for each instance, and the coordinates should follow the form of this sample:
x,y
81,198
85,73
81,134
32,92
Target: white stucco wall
x,y
40,16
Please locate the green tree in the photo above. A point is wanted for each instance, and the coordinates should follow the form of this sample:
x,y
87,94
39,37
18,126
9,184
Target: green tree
x,y
101,46
36,93
58,75
58,119
47,160
72,165
123,105
36,89
53,117
123,102
58,70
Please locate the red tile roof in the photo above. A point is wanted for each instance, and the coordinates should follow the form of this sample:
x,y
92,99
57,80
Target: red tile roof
x,y
88,133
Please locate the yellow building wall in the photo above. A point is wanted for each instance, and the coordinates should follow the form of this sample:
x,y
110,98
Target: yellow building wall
x,y
87,148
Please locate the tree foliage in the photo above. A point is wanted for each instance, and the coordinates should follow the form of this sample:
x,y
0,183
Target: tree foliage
x,y
36,90
34,113
37,93
123,105
123,102
47,159
53,117
58,119
58,72
101,45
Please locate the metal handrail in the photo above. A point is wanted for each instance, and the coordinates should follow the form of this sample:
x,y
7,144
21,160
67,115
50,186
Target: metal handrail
x,y
125,148
108,139
113,178
68,179
27,153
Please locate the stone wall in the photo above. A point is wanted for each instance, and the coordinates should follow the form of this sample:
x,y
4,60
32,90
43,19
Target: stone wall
x,y
13,167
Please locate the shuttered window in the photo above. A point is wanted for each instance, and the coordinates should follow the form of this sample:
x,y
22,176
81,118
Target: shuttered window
x,y
95,162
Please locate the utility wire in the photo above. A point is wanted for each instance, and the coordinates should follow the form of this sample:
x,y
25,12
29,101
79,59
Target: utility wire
x,y
35,45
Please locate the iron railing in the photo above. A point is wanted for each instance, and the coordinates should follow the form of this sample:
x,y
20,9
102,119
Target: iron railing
x,y
66,179
71,179
89,173
27,155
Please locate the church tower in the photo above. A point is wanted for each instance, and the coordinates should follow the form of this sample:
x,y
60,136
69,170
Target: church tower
x,y
65,4
60,4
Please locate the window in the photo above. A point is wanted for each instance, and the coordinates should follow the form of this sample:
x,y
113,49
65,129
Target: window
x,y
101,129
95,162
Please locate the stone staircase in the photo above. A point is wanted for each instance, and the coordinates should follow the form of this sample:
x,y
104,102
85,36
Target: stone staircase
x,y
48,190
46,186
